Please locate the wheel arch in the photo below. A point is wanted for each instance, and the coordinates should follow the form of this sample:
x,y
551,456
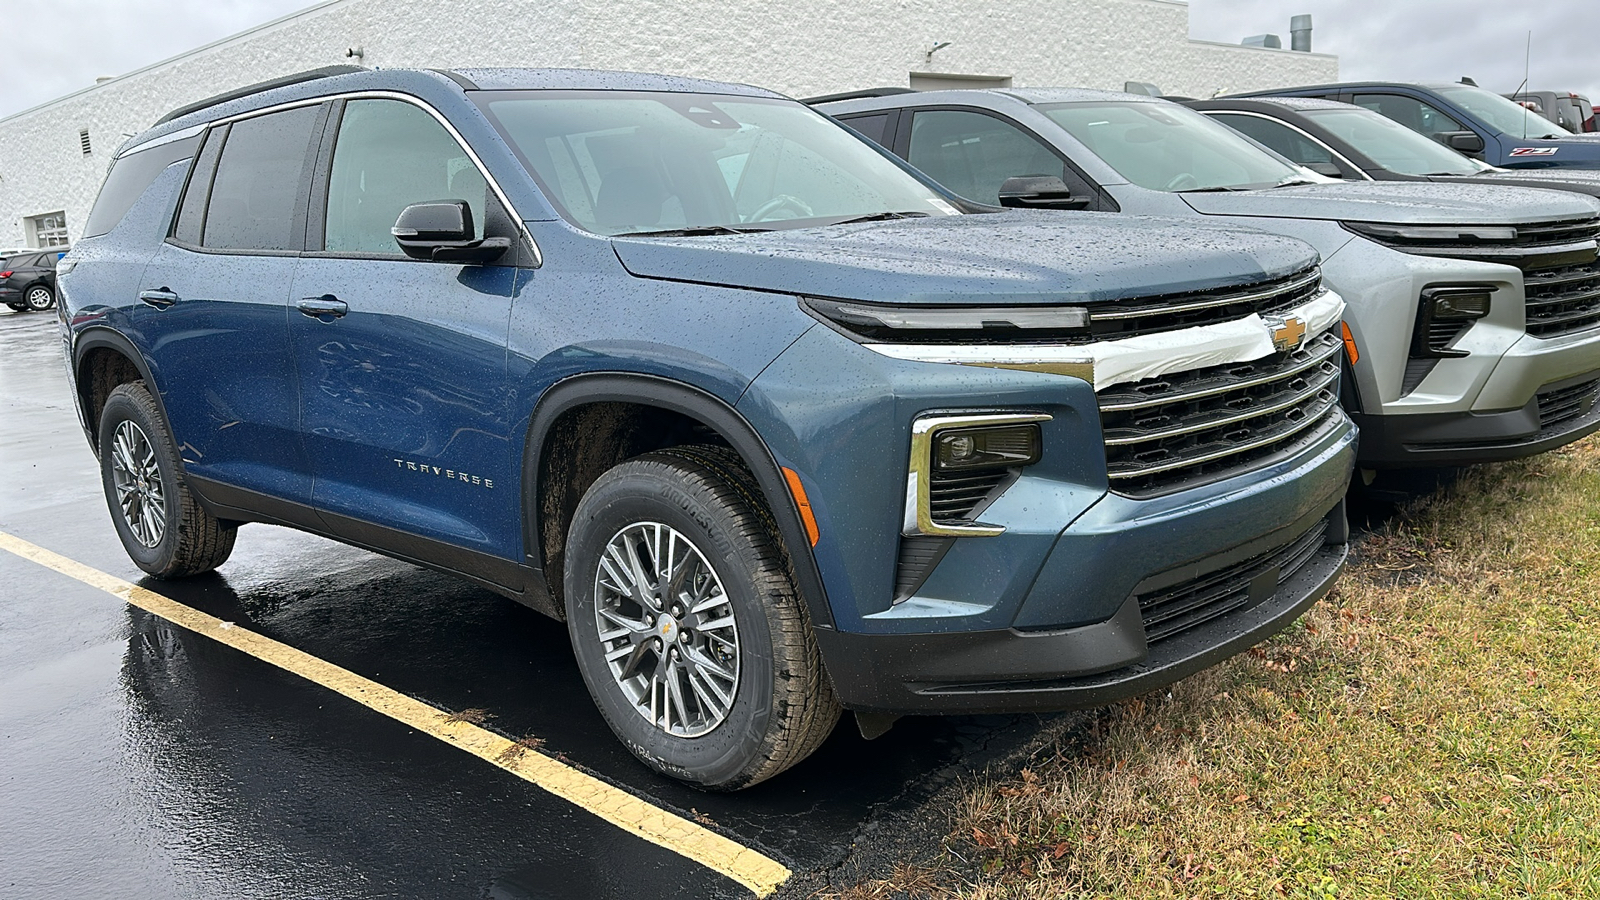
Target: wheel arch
x,y
103,359
577,394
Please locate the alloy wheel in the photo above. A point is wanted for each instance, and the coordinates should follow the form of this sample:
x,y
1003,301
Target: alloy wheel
x,y
137,479
667,629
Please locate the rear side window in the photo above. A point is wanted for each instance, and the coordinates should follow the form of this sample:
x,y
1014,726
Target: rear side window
x,y
258,194
871,126
130,175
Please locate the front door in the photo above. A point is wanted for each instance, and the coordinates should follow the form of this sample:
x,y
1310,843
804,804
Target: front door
x,y
402,363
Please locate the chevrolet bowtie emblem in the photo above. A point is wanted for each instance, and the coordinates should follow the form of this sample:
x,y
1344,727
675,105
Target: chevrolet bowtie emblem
x,y
1287,334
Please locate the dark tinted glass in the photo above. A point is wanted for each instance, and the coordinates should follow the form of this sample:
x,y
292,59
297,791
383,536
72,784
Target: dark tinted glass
x,y
1410,112
129,177
871,127
192,212
973,154
259,182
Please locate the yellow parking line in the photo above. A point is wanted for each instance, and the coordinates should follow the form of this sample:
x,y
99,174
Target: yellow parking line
x,y
755,871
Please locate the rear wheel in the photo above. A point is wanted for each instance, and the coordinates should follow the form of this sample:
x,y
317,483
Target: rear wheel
x,y
163,528
39,298
686,623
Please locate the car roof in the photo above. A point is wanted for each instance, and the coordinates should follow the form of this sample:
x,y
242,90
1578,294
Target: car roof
x,y
1345,85
341,79
1291,103
1073,95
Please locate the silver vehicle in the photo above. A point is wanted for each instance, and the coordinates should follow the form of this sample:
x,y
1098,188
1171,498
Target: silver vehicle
x,y
1452,363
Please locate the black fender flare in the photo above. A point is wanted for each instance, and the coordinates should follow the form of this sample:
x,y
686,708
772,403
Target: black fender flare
x,y
676,396
104,336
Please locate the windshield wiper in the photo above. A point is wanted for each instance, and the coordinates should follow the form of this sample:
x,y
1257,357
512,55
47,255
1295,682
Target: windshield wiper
x,y
1211,190
692,231
879,217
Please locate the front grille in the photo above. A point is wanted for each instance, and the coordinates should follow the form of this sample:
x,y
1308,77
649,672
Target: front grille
x,y
1532,242
1152,315
1562,299
1167,432
1172,610
1558,406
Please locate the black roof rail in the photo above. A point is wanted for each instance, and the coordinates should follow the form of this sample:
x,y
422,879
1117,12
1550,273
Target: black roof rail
x,y
858,95
269,84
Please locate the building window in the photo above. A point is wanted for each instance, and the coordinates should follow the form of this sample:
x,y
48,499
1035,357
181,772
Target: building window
x,y
49,230
83,140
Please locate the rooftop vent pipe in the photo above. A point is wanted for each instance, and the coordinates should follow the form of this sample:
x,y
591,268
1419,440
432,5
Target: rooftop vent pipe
x,y
1300,33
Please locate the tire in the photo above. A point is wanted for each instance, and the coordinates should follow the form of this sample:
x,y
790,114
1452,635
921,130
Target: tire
x,y
163,528
782,707
39,298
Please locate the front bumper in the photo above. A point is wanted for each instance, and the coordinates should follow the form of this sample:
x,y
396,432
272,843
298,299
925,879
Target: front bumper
x,y
1558,414
1259,585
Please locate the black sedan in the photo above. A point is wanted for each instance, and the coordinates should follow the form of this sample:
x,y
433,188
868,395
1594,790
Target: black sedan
x,y
28,279
1346,141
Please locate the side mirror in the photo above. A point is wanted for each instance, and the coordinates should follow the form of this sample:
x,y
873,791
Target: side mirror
x,y
1466,142
1039,192
441,231
1324,168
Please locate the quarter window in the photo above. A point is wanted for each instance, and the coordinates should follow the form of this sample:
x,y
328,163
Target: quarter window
x,y
973,154
260,181
391,154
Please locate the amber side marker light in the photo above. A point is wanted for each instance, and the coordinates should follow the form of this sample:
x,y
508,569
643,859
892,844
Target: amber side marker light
x,y
798,491
1350,344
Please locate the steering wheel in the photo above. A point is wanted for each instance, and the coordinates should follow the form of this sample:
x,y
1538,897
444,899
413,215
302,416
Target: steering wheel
x,y
764,212
1182,181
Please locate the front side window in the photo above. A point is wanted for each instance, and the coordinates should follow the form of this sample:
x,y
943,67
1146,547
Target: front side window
x,y
1166,147
1392,145
1410,112
973,153
259,186
1282,139
389,155
618,163
1501,114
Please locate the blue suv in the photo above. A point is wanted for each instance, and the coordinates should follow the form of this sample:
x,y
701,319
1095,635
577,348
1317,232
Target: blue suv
x,y
778,427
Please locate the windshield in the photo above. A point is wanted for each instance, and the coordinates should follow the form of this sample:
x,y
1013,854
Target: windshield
x,y
1392,145
618,163
1167,147
1501,114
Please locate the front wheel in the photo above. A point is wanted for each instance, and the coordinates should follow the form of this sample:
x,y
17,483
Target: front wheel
x,y
165,531
39,298
686,623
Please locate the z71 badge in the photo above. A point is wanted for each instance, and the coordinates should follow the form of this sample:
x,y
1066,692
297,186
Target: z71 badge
x,y
1534,151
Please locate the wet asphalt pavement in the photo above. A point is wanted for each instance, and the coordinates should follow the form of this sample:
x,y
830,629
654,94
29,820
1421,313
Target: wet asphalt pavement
x,y
138,759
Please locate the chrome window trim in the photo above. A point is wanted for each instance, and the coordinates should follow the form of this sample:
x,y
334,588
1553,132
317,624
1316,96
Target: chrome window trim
x,y
918,518
1292,127
500,194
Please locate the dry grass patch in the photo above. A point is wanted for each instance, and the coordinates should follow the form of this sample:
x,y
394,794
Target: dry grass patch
x,y
1432,729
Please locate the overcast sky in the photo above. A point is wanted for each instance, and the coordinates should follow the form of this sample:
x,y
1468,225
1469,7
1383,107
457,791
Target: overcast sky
x,y
71,42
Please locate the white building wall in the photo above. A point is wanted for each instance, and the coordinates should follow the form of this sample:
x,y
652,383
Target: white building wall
x,y
801,49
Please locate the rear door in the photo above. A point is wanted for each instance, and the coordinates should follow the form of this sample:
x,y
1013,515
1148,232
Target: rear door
x,y
213,316
402,362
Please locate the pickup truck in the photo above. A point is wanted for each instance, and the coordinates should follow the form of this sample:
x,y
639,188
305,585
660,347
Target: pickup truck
x,y
1464,117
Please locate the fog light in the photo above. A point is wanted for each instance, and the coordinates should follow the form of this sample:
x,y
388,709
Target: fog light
x,y
1458,306
1004,446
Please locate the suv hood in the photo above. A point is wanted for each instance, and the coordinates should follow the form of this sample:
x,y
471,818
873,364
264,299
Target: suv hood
x,y
1399,203
1584,181
1013,257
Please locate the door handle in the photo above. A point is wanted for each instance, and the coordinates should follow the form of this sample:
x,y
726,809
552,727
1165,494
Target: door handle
x,y
325,308
160,299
